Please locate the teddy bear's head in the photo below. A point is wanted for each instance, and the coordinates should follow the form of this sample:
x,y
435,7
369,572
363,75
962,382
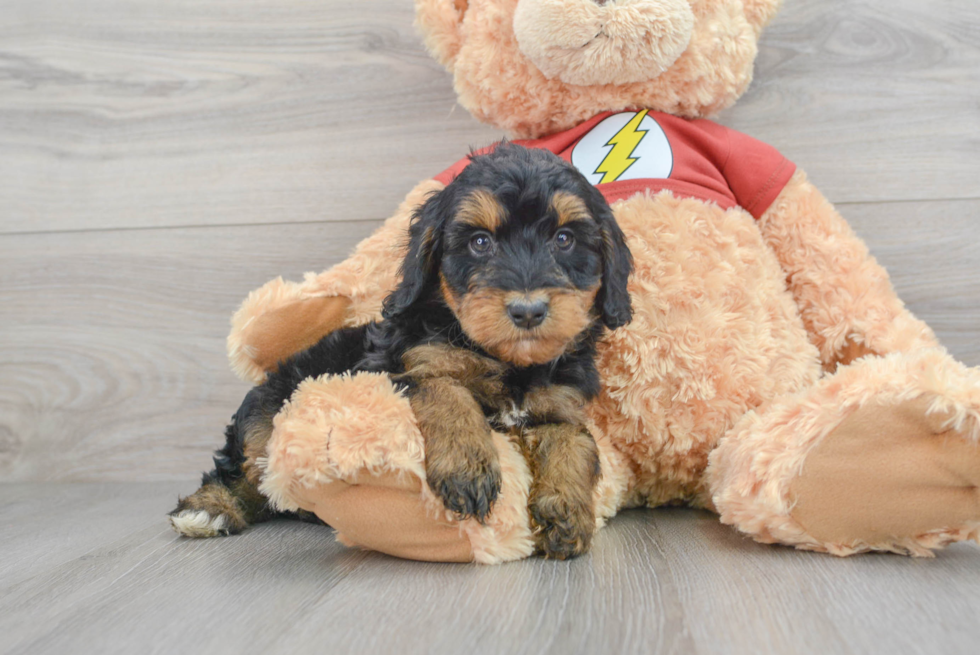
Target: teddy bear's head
x,y
534,67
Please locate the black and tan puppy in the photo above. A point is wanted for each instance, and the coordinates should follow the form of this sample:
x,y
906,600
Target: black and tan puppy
x,y
512,274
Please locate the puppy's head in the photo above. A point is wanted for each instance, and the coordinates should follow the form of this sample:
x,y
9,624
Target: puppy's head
x,y
523,250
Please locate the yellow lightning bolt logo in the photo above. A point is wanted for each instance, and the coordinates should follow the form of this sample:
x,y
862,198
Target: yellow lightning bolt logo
x,y
623,144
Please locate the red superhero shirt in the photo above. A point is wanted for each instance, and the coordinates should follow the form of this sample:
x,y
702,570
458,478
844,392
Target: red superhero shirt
x,y
624,153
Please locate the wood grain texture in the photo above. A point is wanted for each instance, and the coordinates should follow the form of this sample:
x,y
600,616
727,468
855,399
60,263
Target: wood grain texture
x,y
123,113
756,598
877,100
112,357
666,581
930,252
46,525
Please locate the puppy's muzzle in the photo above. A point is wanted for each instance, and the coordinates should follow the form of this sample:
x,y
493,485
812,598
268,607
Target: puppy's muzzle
x,y
527,314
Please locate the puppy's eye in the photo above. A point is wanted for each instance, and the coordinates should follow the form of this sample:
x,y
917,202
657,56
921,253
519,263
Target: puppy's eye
x,y
564,240
481,244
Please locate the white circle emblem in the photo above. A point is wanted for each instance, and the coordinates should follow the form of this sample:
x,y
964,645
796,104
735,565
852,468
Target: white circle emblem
x,y
625,146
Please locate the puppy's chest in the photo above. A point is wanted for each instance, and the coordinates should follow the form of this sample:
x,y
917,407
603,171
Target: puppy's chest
x,y
512,414
511,398
530,400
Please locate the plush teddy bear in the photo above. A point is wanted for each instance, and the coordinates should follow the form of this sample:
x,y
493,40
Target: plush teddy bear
x,y
770,373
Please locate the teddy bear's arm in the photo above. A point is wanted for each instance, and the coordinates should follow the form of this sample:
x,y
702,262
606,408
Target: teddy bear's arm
x,y
281,318
845,297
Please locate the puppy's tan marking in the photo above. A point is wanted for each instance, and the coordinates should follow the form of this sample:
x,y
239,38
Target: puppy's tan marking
x,y
556,404
569,208
481,376
425,245
564,461
450,298
461,464
483,315
443,360
256,437
481,209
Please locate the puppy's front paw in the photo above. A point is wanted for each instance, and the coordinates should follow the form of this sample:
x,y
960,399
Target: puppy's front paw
x,y
467,487
562,527
460,459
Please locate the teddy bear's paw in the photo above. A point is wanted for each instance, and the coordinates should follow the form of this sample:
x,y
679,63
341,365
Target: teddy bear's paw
x,y
563,528
469,490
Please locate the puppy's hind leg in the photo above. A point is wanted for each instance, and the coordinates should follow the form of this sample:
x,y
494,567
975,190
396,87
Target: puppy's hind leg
x,y
228,500
216,510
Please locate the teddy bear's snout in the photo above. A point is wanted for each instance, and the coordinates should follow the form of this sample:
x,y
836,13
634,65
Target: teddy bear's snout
x,y
595,42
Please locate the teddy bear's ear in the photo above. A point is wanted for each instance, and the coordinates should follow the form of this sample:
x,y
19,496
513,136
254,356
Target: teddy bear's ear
x,y
440,22
760,12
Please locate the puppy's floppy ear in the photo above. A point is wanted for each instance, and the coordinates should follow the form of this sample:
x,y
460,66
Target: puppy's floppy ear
x,y
613,299
421,263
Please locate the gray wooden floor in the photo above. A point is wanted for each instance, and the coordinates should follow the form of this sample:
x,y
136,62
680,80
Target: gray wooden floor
x,y
160,159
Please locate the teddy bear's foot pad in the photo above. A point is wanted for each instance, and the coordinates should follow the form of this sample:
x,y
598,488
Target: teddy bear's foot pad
x,y
894,478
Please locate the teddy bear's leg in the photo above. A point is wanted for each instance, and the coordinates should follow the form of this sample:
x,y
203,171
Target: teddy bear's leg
x,y
387,514
348,448
281,318
845,297
882,455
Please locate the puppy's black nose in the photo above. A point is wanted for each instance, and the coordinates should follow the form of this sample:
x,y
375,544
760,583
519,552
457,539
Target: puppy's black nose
x,y
527,314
